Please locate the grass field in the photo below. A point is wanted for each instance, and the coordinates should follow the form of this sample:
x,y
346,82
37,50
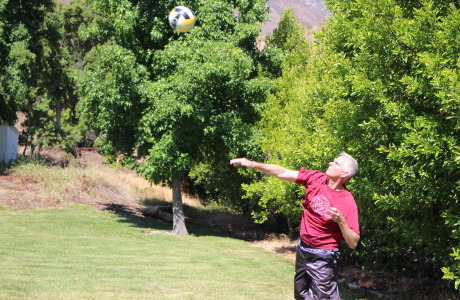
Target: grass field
x,y
82,253
53,248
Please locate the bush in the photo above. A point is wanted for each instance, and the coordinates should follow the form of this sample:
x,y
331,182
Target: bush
x,y
453,272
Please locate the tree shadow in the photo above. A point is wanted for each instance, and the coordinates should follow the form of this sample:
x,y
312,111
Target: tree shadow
x,y
192,214
228,224
285,250
133,216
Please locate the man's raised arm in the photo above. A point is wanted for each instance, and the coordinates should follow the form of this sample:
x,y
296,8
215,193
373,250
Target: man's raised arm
x,y
269,169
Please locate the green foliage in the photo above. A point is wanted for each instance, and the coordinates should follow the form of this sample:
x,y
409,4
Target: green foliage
x,y
177,100
294,124
453,272
204,111
380,82
41,56
116,89
289,34
220,184
406,68
20,52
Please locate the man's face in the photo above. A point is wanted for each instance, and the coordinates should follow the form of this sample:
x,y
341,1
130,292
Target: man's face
x,y
336,168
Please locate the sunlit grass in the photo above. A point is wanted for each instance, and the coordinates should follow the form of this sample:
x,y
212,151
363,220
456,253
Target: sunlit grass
x,y
81,253
76,252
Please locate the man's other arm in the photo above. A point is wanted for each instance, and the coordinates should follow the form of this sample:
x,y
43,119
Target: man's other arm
x,y
269,169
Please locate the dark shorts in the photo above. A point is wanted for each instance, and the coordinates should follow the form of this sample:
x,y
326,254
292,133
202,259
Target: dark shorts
x,y
316,273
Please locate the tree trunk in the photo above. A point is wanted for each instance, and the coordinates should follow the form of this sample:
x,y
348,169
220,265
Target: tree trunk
x,y
179,228
57,123
290,227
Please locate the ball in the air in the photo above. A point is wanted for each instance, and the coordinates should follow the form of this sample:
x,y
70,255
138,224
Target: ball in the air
x,y
182,18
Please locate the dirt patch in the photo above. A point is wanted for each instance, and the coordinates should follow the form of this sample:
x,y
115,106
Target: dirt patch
x,y
22,194
279,244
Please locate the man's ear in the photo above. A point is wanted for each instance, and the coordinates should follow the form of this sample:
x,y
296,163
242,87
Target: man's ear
x,y
345,174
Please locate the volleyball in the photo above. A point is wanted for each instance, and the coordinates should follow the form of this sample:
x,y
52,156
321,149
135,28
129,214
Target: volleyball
x,y
182,18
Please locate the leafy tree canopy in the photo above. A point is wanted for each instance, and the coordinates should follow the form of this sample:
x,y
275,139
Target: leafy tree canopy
x,y
21,53
381,82
41,55
176,100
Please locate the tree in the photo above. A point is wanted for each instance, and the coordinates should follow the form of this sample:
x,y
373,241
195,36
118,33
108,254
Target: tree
x,y
20,53
282,118
176,100
40,53
381,83
54,87
407,65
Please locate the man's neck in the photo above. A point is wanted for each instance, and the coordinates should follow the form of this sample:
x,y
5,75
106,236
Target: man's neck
x,y
336,185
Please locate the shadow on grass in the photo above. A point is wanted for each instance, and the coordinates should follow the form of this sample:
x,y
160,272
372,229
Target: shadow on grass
x,y
194,218
192,214
352,292
283,250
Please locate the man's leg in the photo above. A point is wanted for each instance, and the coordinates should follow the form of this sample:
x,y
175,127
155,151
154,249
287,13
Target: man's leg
x,y
324,273
302,280
319,269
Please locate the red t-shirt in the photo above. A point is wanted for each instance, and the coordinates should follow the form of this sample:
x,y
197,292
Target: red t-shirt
x,y
315,229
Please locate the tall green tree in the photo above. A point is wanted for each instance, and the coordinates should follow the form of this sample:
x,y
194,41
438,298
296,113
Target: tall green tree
x,y
21,52
177,100
41,53
407,59
54,86
381,83
281,124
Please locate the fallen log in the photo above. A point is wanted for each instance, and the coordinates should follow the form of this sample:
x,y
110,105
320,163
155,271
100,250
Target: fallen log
x,y
160,212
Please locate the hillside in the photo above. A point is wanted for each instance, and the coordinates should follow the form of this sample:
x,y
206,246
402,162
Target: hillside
x,y
310,13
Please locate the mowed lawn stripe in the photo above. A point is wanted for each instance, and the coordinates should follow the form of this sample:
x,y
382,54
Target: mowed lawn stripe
x,y
81,253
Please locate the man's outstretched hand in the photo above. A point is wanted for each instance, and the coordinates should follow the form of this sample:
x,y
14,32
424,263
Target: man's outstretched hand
x,y
241,162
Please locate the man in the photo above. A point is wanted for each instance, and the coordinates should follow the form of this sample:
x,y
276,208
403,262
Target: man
x,y
329,214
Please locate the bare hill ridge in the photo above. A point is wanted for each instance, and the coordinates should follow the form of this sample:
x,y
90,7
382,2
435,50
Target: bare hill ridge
x,y
311,13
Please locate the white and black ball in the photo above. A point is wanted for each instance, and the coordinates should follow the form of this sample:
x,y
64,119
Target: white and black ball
x,y
182,18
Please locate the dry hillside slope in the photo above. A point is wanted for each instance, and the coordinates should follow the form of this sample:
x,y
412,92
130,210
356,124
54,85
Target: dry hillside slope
x,y
309,13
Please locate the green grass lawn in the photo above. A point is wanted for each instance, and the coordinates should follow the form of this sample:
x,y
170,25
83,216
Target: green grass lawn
x,y
81,253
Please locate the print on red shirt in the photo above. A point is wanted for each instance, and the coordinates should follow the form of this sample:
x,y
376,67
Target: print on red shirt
x,y
320,204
